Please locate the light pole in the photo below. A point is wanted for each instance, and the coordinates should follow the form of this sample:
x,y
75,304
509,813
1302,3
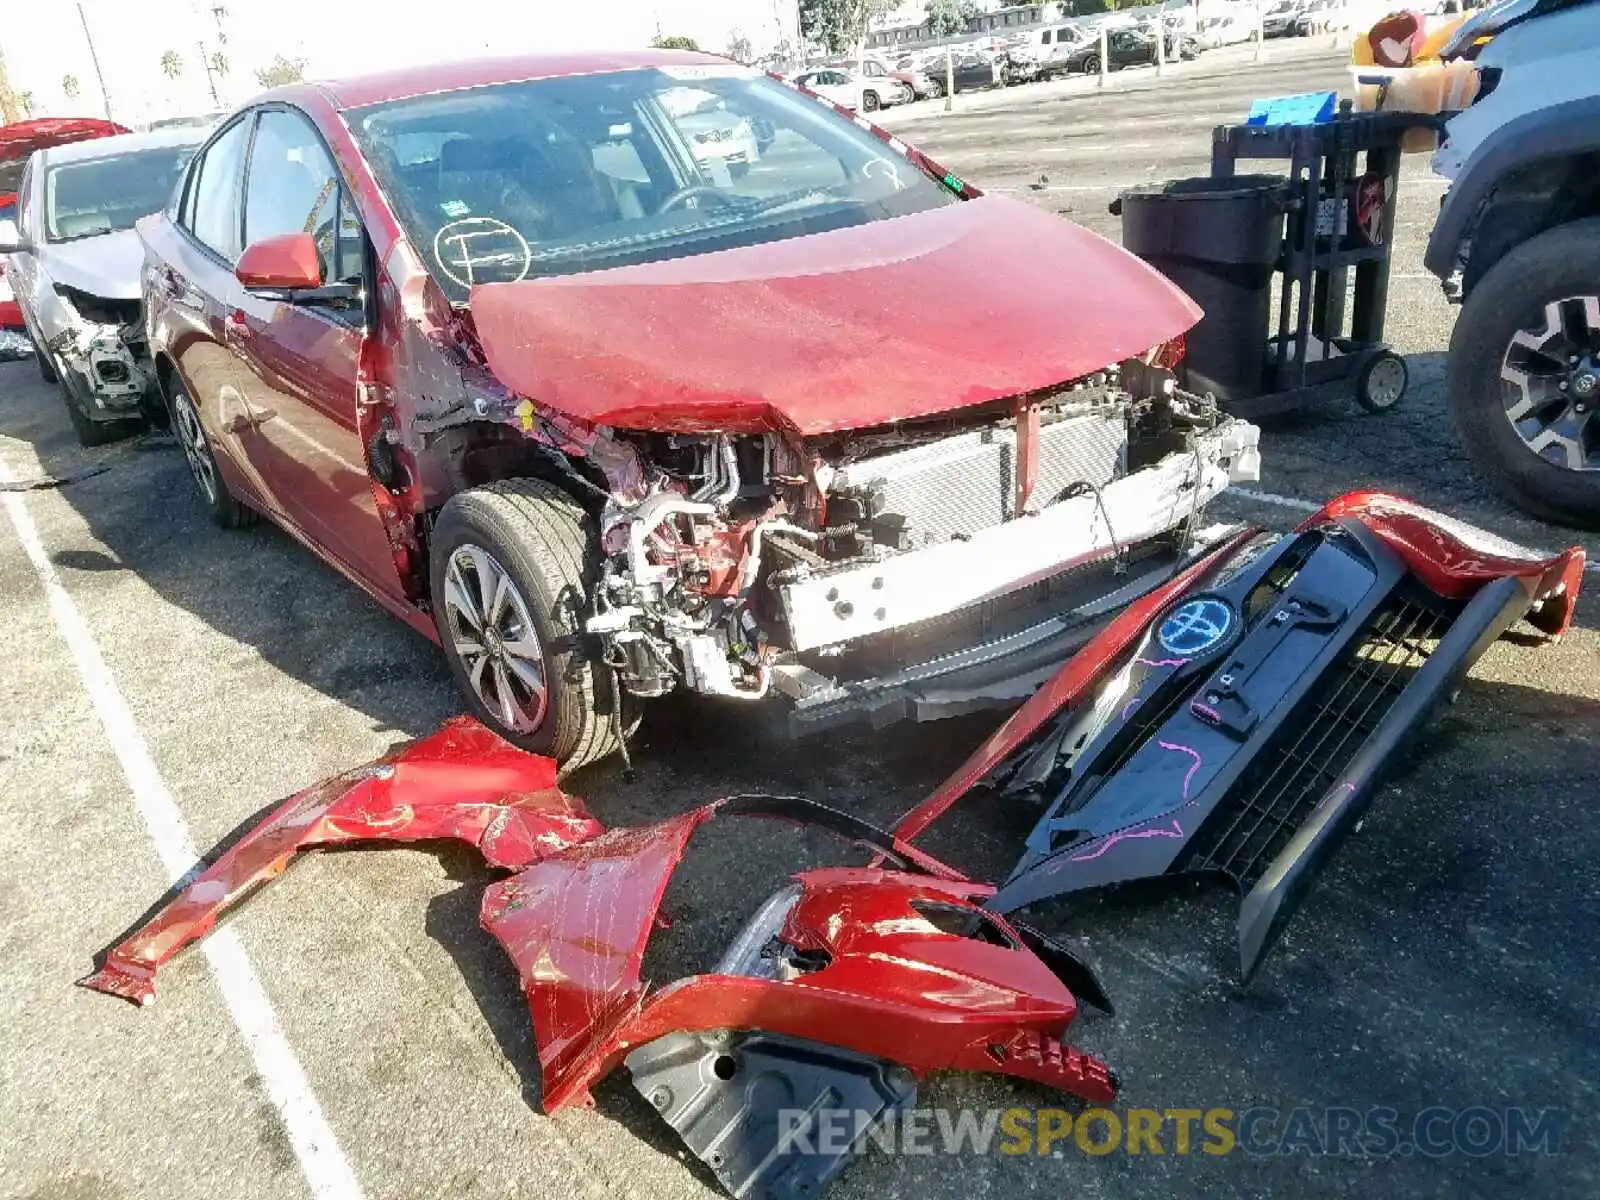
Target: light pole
x,y
105,96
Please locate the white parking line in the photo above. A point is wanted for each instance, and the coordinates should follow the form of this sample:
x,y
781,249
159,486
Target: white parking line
x,y
326,1169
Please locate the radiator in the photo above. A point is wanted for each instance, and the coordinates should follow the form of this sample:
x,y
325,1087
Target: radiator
x,y
960,485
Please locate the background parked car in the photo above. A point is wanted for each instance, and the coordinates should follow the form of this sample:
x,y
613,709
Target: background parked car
x,y
852,91
921,85
1130,48
16,143
1283,18
74,265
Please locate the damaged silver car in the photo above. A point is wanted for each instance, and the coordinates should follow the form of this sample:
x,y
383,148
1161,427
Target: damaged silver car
x,y
74,264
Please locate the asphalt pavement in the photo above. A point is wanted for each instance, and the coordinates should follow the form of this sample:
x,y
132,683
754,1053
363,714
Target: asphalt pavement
x,y
354,1033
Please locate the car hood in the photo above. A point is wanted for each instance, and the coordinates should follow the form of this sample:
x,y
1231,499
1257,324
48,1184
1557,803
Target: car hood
x,y
106,266
896,319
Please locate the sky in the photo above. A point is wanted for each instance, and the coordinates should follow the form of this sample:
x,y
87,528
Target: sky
x,y
44,41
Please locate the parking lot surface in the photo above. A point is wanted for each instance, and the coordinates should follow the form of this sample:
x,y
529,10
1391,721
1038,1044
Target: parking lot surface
x,y
355,1033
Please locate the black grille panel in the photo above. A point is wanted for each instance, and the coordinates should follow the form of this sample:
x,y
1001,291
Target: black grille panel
x,y
1278,790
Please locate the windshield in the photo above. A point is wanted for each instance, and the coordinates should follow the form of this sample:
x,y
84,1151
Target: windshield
x,y
103,195
580,173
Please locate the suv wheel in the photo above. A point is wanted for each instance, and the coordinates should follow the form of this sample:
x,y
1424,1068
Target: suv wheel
x,y
225,510
512,567
1524,374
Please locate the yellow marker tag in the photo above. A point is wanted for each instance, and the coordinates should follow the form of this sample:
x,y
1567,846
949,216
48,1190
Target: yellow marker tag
x,y
525,414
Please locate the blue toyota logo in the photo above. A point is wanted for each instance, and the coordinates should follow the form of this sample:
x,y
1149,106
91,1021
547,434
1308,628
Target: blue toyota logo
x,y
1195,627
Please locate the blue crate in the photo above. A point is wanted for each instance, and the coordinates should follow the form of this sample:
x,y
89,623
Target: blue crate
x,y
1309,108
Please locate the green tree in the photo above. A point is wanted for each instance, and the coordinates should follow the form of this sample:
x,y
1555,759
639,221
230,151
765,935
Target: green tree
x,y
25,103
280,71
171,64
674,42
219,64
739,48
70,87
950,17
840,24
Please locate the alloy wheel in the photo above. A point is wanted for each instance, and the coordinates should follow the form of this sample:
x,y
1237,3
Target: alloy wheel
x,y
1551,377
494,638
192,437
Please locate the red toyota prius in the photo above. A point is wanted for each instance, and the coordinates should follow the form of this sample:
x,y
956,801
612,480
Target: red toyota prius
x,y
620,374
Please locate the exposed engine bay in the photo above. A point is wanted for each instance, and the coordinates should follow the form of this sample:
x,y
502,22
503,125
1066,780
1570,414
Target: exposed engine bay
x,y
753,563
98,347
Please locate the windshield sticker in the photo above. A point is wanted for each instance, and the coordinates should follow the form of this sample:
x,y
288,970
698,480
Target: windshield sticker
x,y
879,168
481,250
455,209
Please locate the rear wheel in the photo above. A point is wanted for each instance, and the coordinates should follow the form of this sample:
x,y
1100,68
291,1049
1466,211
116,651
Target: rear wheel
x,y
1524,374
1091,65
513,567
225,510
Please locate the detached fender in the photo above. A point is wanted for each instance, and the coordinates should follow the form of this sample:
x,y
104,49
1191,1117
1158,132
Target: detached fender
x,y
462,782
577,924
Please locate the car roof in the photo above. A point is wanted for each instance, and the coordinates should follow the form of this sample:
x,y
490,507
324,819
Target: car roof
x,y
24,137
357,91
124,143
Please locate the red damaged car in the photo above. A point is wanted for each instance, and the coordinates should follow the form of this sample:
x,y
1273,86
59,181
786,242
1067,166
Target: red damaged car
x,y
623,373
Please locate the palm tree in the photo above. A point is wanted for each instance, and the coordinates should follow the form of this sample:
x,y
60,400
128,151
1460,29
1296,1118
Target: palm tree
x,y
171,64
280,71
70,86
25,103
219,64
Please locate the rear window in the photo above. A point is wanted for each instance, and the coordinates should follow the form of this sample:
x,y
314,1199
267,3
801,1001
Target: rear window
x,y
581,173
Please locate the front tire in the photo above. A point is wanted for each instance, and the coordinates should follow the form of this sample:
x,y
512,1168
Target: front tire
x,y
870,102
514,565
47,369
1524,375
224,508
1091,65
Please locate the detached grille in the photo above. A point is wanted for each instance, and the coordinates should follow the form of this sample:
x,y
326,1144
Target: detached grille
x,y
1283,783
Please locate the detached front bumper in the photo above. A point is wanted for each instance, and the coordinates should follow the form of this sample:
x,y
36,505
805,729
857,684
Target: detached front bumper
x,y
1238,727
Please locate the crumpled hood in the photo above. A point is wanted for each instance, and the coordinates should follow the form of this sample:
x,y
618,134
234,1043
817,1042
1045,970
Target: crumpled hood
x,y
106,266
887,321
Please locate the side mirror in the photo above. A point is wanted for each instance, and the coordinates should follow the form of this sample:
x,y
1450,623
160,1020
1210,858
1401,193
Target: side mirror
x,y
286,263
11,240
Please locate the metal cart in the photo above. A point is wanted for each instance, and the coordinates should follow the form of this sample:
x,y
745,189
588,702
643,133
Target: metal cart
x,y
1324,230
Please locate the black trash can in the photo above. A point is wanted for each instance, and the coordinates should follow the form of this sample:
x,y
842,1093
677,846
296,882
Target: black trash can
x,y
1219,240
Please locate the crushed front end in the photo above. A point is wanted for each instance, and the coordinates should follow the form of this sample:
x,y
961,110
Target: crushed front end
x,y
1239,729
97,346
913,571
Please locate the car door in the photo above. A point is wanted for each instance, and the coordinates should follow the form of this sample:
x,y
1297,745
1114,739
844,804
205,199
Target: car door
x,y
304,358
197,289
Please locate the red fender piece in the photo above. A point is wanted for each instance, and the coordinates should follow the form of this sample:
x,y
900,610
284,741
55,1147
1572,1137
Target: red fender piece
x,y
1455,559
463,782
895,985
